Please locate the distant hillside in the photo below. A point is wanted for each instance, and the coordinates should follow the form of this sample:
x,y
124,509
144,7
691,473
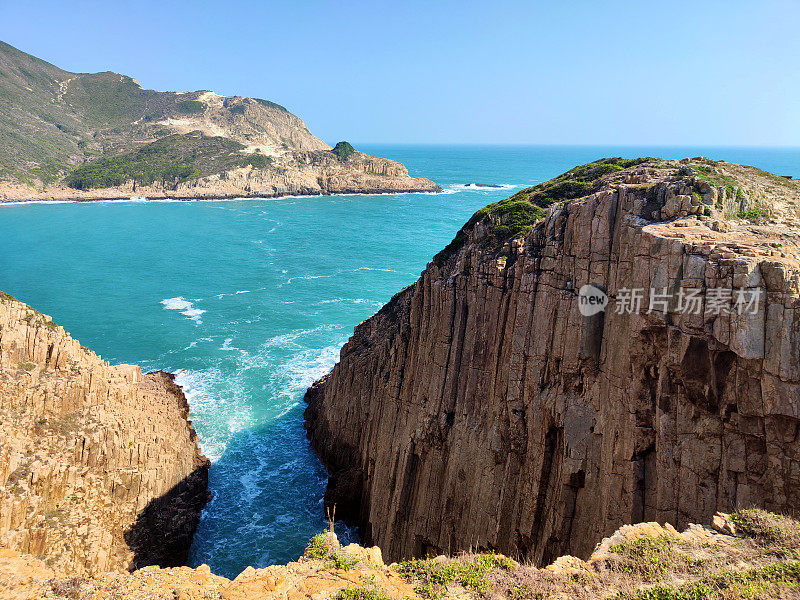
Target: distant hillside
x,y
90,131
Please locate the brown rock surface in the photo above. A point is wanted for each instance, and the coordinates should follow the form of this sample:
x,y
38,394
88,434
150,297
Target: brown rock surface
x,y
25,577
99,468
480,409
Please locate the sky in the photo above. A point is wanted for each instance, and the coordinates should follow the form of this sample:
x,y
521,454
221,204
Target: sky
x,y
498,72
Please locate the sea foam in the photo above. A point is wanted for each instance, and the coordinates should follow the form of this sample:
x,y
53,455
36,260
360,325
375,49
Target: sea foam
x,y
185,307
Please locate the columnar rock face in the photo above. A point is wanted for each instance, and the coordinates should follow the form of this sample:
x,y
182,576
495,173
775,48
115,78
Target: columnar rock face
x,y
99,468
481,409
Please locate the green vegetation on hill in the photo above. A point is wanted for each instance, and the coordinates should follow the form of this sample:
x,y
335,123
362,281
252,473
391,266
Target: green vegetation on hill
x,y
343,150
269,104
190,107
170,160
52,120
575,183
516,216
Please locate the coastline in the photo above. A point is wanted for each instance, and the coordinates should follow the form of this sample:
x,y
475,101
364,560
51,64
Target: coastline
x,y
214,197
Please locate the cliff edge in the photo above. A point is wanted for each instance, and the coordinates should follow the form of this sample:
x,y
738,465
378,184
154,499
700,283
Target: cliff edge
x,y
746,555
99,467
491,405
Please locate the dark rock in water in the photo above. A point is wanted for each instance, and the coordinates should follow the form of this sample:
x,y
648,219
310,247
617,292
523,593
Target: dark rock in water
x,y
484,185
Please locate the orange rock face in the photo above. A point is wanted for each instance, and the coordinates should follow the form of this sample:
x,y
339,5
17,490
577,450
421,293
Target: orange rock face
x,y
481,409
99,468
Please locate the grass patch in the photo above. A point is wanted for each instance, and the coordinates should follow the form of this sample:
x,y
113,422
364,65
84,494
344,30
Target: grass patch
x,y
326,548
516,216
650,557
472,572
768,529
360,593
760,582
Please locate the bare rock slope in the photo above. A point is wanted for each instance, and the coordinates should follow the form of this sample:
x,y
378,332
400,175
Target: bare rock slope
x,y
99,468
481,409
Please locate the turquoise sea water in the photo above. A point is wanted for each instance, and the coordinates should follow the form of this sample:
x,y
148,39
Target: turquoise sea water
x,y
250,300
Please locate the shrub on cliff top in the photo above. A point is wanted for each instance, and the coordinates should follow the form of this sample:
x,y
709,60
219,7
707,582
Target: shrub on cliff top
x,y
516,216
325,547
344,150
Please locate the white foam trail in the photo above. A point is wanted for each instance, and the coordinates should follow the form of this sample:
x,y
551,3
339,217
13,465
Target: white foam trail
x,y
471,187
185,307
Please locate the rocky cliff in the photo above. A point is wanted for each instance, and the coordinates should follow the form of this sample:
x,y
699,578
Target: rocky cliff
x,y
99,468
101,135
481,409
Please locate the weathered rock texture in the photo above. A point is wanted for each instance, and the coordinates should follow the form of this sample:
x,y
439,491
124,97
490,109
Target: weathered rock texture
x,y
479,409
99,468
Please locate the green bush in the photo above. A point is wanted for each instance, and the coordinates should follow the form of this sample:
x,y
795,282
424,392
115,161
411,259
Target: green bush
x,y
343,150
269,104
169,160
190,107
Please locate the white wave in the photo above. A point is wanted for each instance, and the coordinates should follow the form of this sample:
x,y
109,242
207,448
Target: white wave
x,y
300,277
351,301
221,400
471,187
375,269
185,307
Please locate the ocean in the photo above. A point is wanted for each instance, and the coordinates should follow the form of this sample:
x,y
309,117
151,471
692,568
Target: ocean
x,y
249,301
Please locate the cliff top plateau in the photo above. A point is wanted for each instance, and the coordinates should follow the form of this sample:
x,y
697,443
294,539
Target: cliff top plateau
x,y
101,135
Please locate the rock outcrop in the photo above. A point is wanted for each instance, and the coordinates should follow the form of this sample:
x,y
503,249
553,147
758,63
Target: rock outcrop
x,y
480,409
99,467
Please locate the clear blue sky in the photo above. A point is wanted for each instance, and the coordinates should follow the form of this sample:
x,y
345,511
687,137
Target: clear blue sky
x,y
581,72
